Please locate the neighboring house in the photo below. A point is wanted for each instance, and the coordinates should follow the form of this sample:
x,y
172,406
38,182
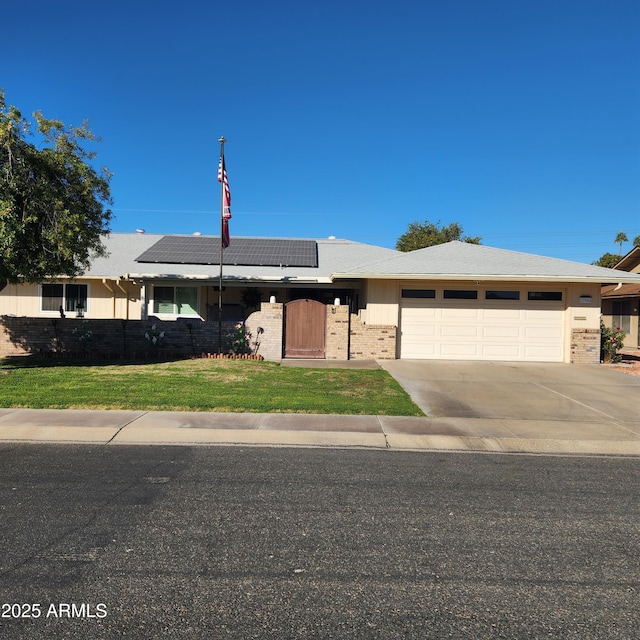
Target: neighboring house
x,y
621,302
339,299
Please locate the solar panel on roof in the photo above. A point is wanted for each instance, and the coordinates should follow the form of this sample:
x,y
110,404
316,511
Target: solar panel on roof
x,y
253,252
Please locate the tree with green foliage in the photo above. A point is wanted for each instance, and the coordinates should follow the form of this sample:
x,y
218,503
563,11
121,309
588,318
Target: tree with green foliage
x,y
636,241
620,238
427,234
608,260
52,200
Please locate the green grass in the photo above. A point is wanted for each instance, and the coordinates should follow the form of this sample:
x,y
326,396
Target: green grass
x,y
200,385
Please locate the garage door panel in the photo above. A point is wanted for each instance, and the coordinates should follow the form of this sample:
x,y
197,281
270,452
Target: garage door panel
x,y
424,313
541,315
469,351
417,324
502,315
459,331
523,331
429,331
543,333
422,351
505,331
453,313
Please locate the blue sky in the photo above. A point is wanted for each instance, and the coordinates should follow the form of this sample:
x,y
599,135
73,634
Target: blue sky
x,y
519,119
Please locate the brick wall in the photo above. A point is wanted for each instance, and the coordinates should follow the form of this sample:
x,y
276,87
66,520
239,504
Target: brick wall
x,y
114,338
367,342
585,346
266,329
337,335
347,337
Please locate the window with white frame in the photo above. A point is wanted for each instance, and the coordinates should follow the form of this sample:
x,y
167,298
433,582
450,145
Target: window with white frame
x,y
175,301
69,297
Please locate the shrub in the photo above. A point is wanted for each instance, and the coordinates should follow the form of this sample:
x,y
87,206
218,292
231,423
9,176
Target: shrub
x,y
236,341
611,341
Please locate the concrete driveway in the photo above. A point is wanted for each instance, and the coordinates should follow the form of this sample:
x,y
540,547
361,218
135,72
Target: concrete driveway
x,y
539,392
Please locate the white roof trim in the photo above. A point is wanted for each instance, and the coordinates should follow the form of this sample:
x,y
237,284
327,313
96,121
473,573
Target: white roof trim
x,y
469,277
228,279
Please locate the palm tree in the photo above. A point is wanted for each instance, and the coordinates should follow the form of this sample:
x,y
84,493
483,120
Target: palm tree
x,y
620,238
636,241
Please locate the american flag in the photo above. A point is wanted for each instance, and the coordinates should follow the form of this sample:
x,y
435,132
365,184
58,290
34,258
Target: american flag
x,y
226,202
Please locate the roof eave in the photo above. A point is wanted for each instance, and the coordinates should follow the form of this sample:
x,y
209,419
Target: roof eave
x,y
468,277
628,261
611,296
214,278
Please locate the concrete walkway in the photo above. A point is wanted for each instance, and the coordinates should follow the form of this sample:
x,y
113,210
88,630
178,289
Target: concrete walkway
x,y
469,406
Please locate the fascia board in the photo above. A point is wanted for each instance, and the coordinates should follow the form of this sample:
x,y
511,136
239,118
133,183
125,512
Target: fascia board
x,y
630,259
214,278
630,279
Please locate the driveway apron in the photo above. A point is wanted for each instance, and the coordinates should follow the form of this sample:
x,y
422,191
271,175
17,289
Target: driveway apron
x,y
519,391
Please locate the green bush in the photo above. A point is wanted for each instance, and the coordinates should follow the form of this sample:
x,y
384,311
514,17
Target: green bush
x,y
611,341
237,340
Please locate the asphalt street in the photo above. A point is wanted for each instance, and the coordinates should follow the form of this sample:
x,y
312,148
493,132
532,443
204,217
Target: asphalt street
x,y
250,542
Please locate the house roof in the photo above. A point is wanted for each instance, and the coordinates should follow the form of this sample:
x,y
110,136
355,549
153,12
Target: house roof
x,y
464,261
347,260
124,248
630,262
621,291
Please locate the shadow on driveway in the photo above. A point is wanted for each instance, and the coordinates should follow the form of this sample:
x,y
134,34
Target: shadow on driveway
x,y
519,391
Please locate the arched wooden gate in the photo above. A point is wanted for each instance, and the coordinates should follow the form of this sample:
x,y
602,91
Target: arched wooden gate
x,y
304,329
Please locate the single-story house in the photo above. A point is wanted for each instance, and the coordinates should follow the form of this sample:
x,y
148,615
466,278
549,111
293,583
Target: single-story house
x,y
336,298
621,302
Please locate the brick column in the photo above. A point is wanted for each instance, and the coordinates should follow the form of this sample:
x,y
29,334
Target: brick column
x,y
585,346
270,319
372,342
337,336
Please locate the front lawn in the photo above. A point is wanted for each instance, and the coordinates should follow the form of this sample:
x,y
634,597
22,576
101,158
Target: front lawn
x,y
200,385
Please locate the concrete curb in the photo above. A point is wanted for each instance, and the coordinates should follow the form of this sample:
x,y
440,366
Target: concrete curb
x,y
391,433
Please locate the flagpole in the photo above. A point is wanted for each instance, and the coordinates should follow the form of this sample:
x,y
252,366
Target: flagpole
x,y
221,140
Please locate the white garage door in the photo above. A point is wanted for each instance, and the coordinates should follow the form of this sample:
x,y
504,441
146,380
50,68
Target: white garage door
x,y
524,325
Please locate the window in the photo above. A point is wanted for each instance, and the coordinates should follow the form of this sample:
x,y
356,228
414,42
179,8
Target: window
x,y
460,294
163,298
502,295
187,300
51,297
621,315
418,293
545,295
176,301
70,297
76,297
